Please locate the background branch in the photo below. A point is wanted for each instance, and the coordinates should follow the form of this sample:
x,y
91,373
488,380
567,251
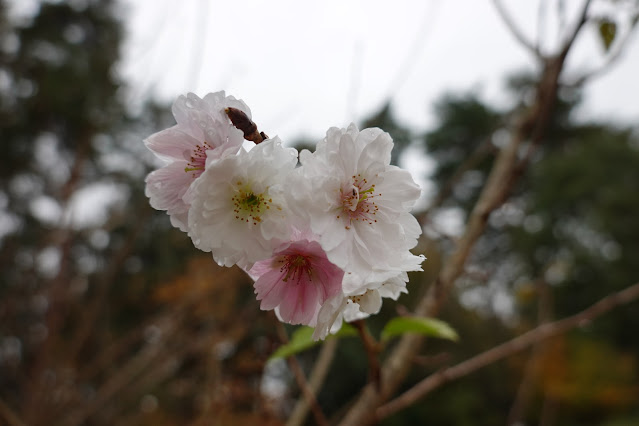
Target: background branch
x,y
483,150
526,386
372,353
515,31
532,125
610,61
305,388
570,40
315,381
9,415
511,347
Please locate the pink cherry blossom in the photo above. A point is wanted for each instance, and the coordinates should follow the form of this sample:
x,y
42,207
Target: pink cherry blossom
x,y
203,131
296,281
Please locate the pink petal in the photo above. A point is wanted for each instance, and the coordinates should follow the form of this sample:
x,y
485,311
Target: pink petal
x,y
308,285
171,144
270,289
165,188
300,302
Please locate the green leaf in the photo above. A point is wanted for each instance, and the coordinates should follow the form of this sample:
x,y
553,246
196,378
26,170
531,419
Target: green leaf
x,y
347,330
607,32
421,325
302,339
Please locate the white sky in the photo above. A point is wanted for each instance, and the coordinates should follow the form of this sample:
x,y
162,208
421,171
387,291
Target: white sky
x,y
305,66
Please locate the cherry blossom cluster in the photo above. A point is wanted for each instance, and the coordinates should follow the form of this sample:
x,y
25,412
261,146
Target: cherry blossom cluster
x,y
325,235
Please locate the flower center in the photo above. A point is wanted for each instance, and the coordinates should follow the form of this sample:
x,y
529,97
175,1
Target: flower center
x,y
358,201
248,206
197,160
295,265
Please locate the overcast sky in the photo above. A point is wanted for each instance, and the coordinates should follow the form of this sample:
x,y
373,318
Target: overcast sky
x,y
305,66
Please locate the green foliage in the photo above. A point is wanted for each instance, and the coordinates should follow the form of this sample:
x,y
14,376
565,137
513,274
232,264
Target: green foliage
x,y
421,325
302,340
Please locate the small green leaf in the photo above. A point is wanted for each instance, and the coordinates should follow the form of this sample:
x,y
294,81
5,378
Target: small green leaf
x,y
347,330
421,325
302,339
607,32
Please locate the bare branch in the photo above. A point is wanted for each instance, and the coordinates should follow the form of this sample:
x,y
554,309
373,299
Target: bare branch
x,y
106,279
372,351
527,384
541,23
9,415
530,126
583,17
514,30
315,381
308,393
610,61
493,194
483,150
509,348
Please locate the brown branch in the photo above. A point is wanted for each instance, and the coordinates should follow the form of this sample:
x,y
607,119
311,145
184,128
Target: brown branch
x,y
583,17
532,126
104,283
162,369
57,288
109,355
308,393
479,154
610,61
529,378
315,381
9,415
122,378
398,363
541,23
515,31
509,348
372,351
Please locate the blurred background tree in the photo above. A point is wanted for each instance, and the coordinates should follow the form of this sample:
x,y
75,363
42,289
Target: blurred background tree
x,y
109,316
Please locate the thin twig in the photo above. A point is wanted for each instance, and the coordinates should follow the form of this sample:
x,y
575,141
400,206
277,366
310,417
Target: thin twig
x,y
91,315
479,154
514,30
308,393
124,376
33,406
529,378
509,348
372,351
583,17
531,125
315,381
398,363
541,24
610,61
9,415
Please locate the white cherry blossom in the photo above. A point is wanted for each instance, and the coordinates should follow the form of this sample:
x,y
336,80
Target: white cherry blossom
x,y
359,205
203,131
238,210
